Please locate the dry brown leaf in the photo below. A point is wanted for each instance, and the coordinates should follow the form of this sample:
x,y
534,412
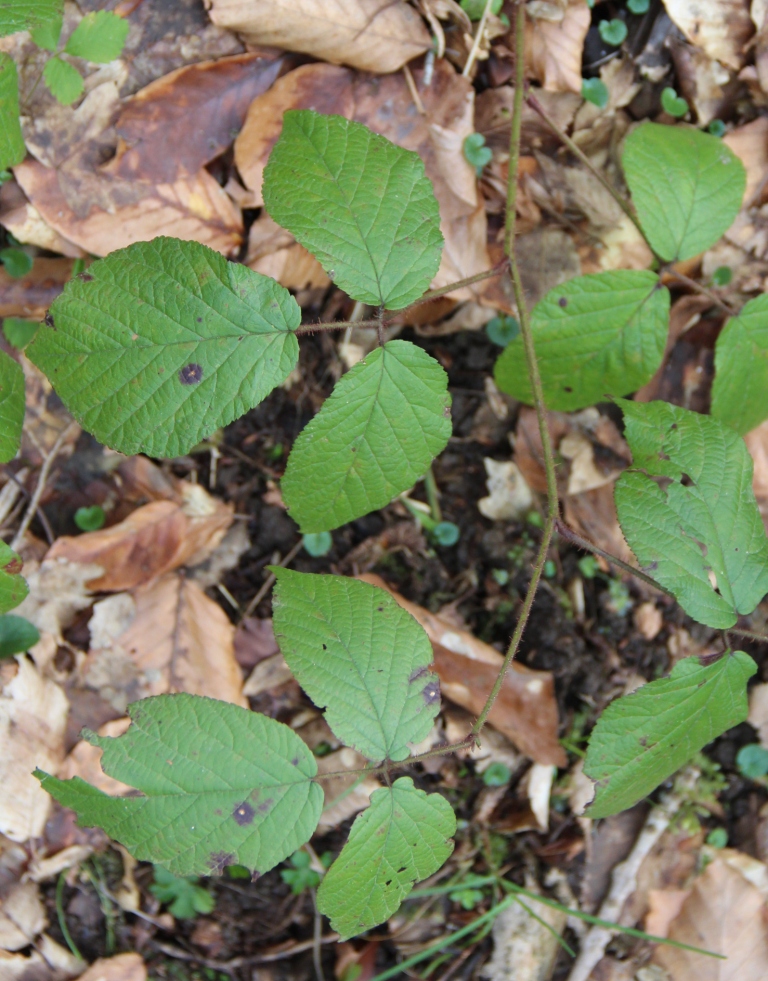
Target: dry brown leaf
x,y
648,620
101,213
373,35
554,48
341,800
26,223
123,967
22,916
84,761
493,113
525,711
750,144
724,913
33,715
720,28
176,125
31,295
168,636
386,106
273,252
664,906
154,539
704,82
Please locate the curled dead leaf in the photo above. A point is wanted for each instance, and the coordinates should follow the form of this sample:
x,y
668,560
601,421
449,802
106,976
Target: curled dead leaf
x,y
554,47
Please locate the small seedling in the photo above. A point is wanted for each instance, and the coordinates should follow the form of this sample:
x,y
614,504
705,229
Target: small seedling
x,y
716,128
722,276
90,518
16,635
300,876
17,263
445,533
317,544
638,7
476,152
672,103
502,330
752,761
717,838
613,32
497,775
183,895
594,90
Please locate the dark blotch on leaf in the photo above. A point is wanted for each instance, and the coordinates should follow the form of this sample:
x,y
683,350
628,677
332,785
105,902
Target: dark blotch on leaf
x,y
265,805
86,277
417,673
48,321
431,692
219,861
563,301
191,374
705,660
244,813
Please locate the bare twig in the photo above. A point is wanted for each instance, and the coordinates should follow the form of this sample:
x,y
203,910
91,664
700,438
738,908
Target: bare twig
x,y
698,288
478,40
270,580
45,470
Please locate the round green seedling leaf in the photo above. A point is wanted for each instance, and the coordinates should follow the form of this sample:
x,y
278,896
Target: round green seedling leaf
x,y
740,389
318,544
502,330
159,345
613,32
474,8
687,187
476,152
672,103
16,635
64,81
638,6
12,406
497,775
595,336
722,276
17,262
361,205
446,533
752,761
91,518
716,128
594,90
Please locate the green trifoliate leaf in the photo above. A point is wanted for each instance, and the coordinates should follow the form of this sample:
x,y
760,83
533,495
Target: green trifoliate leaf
x,y
220,786
403,837
360,204
12,149
595,335
160,344
358,654
16,635
740,389
12,406
699,533
99,37
46,36
182,894
23,15
642,738
687,187
13,588
64,81
374,437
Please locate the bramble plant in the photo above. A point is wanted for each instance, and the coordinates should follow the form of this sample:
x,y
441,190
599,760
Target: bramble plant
x,y
158,345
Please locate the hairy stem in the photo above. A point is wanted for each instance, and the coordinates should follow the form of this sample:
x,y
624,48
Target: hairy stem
x,y
532,365
496,270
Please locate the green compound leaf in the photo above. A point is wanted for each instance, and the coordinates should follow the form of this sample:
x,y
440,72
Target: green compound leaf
x,y
740,390
374,437
64,81
181,894
687,535
596,335
360,204
22,15
687,187
99,37
13,588
12,405
220,786
642,738
12,149
356,652
403,837
160,344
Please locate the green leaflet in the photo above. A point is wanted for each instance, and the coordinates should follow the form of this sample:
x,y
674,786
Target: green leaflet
x,y
374,437
13,588
16,635
687,187
64,81
12,405
403,837
160,344
47,34
642,738
596,335
360,204
740,389
21,15
12,149
99,37
221,786
354,650
683,534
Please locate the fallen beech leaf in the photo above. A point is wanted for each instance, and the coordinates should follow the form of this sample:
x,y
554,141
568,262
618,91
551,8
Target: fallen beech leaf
x,y
31,295
664,906
554,48
177,640
750,144
725,914
45,418
704,82
101,213
33,715
386,106
154,539
26,223
720,27
194,113
373,35
273,252
525,711
123,967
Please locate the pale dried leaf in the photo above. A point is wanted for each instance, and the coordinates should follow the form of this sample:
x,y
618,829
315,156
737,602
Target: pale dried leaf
x,y
84,761
525,947
33,715
22,916
373,35
341,801
42,869
57,592
757,444
509,497
648,620
554,48
758,711
720,27
123,967
664,906
269,673
750,144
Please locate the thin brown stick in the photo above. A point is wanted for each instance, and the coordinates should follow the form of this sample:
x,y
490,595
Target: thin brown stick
x,y
334,325
698,288
45,470
269,582
748,633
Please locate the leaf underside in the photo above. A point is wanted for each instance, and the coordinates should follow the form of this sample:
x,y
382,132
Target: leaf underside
x,y
21,15
221,786
12,405
356,652
160,344
643,738
357,202
595,335
403,837
374,437
740,389
684,533
687,187
13,588
12,149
